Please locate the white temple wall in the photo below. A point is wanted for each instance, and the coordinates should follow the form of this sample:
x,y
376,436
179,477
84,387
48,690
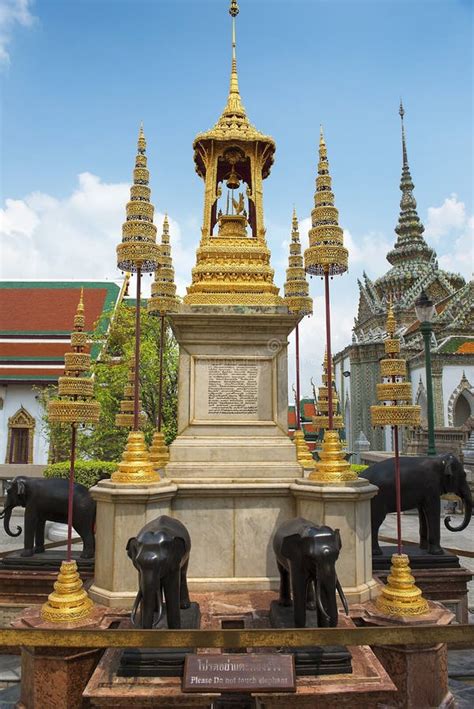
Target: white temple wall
x,y
452,376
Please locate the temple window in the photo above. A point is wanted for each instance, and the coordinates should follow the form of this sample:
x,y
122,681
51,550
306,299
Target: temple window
x,y
21,427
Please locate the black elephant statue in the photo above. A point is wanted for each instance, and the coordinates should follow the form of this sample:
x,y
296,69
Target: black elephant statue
x,y
46,499
306,557
160,553
422,482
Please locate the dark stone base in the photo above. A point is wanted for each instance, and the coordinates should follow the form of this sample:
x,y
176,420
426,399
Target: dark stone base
x,y
419,559
46,561
315,660
161,662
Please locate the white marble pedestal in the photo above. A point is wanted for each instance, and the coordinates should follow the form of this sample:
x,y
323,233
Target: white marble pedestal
x,y
345,507
122,510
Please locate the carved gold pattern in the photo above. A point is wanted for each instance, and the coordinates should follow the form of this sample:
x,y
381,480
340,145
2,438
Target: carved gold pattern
x,y
396,415
159,453
75,403
138,249
392,345
398,391
296,287
332,465
393,368
135,466
69,602
326,253
76,386
400,596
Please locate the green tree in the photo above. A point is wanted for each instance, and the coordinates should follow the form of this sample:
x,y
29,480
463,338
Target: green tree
x,y
106,441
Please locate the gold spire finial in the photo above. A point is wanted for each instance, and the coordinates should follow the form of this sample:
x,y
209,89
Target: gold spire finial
x,y
234,103
391,323
296,287
321,135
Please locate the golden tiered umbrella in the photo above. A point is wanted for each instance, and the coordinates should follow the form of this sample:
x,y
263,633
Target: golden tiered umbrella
x,y
299,303
400,596
69,601
163,301
326,257
138,253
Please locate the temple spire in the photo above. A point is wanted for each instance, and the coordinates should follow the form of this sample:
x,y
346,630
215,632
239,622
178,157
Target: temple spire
x,y
410,244
234,103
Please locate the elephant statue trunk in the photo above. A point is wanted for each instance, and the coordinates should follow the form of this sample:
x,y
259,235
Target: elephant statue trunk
x,y
6,516
466,497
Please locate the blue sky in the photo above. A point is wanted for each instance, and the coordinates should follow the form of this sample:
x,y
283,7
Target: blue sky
x,y
79,76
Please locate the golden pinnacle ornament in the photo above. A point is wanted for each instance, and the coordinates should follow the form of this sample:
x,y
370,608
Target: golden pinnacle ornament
x,y
135,466
159,453
400,596
327,256
321,420
394,391
296,287
69,602
139,250
326,253
125,418
233,158
303,454
138,253
163,290
76,388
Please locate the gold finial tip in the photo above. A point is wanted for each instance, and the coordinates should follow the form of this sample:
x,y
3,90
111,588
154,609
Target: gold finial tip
x,y
80,305
234,8
401,110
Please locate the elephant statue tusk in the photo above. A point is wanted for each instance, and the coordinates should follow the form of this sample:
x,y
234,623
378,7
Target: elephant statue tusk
x,y
319,602
342,596
135,609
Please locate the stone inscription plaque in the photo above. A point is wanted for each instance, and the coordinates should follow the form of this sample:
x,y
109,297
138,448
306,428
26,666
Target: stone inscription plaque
x,y
233,388
239,673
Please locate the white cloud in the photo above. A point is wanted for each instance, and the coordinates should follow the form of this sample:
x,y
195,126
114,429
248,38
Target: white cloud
x,y
443,220
43,237
12,14
460,257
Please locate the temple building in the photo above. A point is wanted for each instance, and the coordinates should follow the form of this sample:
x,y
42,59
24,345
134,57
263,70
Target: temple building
x,y
413,268
35,324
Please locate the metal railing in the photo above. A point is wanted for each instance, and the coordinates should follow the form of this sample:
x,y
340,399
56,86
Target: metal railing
x,y
461,635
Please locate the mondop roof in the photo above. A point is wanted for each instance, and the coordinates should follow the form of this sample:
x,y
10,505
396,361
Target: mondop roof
x,y
35,324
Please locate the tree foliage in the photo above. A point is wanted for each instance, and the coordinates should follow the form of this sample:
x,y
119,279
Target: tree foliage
x,y
106,441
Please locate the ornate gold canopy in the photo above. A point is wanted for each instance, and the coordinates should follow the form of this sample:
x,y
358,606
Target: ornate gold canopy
x,y
233,158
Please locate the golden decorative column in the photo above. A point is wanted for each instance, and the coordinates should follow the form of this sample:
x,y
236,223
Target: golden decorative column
x,y
163,301
326,257
69,601
300,304
138,253
400,596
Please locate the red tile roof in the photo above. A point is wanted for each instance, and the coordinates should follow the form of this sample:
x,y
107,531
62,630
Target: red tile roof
x,y
31,313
